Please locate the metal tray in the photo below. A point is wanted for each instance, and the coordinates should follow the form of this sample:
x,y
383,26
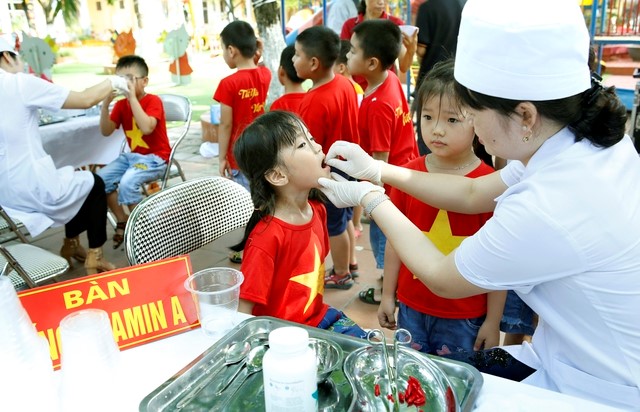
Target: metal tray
x,y
334,395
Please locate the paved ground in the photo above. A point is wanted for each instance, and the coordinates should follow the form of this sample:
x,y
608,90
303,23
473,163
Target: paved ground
x,y
215,254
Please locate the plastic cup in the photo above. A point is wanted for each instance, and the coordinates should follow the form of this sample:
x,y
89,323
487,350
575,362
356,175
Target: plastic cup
x,y
216,292
90,360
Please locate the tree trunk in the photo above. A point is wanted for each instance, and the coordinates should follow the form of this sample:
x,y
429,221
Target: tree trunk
x,y
268,20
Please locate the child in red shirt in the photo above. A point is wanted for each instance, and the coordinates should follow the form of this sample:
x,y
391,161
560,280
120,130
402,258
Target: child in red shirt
x,y
286,240
384,119
142,118
330,110
439,325
242,95
293,91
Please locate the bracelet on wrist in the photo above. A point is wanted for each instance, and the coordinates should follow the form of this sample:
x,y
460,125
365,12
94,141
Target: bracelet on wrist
x,y
368,209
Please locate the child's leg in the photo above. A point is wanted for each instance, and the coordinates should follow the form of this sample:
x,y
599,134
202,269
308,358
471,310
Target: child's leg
x,y
112,173
357,217
517,320
378,243
417,323
143,169
337,222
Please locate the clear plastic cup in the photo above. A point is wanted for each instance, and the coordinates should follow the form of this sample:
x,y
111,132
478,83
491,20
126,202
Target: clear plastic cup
x,y
216,292
90,360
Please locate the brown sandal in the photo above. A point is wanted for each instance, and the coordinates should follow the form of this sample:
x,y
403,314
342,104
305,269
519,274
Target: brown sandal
x,y
118,238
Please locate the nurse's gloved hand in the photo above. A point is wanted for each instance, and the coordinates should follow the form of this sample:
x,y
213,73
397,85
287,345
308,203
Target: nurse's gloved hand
x,y
345,193
119,83
351,159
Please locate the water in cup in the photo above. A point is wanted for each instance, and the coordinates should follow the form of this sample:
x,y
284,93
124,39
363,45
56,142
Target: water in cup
x,y
216,292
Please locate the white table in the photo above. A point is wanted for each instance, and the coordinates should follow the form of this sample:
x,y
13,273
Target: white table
x,y
78,142
148,366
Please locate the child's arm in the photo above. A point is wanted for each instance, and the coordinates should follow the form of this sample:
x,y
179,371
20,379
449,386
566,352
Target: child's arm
x,y
409,46
107,126
387,308
245,306
146,123
224,137
489,333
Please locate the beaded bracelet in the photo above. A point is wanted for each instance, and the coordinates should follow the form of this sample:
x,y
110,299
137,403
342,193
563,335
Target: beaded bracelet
x,y
368,209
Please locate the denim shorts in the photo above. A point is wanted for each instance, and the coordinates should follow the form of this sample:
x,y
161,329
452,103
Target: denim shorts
x,y
336,321
378,243
439,336
517,316
337,218
128,172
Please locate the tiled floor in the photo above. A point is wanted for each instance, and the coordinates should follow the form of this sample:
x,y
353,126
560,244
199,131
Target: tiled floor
x,y
215,254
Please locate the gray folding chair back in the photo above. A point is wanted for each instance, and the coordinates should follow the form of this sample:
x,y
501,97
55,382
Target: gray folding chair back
x,y
185,217
29,266
176,109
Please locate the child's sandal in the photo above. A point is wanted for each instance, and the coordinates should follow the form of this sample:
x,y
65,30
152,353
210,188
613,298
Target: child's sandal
x,y
118,238
333,281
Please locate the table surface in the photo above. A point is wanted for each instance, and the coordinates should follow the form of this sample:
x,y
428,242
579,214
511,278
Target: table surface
x,y
148,366
78,142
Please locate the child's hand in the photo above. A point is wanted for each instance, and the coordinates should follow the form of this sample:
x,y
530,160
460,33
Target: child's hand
x,y
259,48
225,168
387,313
488,336
410,42
119,84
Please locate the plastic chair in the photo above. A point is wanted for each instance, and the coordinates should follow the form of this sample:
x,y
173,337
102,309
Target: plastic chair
x,y
176,109
185,217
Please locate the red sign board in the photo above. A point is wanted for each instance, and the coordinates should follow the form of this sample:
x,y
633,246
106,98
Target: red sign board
x,y
145,303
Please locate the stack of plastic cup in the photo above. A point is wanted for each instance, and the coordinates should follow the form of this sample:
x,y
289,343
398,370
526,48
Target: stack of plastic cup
x,y
90,361
24,358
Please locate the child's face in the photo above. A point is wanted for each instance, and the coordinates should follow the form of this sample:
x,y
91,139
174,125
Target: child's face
x,y
444,129
356,62
301,62
304,162
135,79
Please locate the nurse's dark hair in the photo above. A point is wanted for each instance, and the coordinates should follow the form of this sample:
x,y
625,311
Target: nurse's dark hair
x,y
257,152
597,114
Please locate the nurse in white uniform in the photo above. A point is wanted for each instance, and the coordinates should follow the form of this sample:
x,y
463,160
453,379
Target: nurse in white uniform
x,y
565,234
31,188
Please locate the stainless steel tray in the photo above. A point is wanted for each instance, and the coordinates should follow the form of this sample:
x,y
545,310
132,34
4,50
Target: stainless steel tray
x,y
334,395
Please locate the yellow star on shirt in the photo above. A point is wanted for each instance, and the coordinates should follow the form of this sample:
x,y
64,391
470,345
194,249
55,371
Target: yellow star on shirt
x,y
135,135
312,280
441,236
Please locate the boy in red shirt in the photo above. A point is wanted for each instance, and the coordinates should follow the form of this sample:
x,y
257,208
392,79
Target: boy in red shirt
x,y
142,118
242,95
330,111
293,91
384,119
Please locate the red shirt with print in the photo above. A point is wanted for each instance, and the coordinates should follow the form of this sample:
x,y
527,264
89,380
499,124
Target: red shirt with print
x,y
446,230
245,91
283,267
156,142
385,124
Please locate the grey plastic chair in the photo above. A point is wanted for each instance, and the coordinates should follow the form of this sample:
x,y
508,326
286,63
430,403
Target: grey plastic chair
x,y
185,217
176,109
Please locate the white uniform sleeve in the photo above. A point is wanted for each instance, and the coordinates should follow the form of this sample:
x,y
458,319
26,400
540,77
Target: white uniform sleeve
x,y
518,248
512,172
40,93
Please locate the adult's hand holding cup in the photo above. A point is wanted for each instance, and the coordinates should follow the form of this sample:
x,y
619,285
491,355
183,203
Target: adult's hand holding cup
x,y
351,159
346,193
216,292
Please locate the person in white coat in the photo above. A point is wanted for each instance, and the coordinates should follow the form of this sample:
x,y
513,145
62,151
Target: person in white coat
x,y
564,234
31,188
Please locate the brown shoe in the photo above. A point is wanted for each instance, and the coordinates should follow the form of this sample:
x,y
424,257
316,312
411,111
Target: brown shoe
x,y
73,249
96,263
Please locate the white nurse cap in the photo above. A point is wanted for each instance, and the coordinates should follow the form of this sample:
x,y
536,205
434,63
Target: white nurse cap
x,y
5,46
523,49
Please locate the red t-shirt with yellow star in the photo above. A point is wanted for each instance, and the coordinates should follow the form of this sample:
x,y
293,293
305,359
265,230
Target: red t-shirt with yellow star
x,y
283,267
446,230
156,142
245,91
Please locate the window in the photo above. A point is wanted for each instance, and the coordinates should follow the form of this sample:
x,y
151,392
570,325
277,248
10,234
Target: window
x,y
205,12
122,4
98,6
